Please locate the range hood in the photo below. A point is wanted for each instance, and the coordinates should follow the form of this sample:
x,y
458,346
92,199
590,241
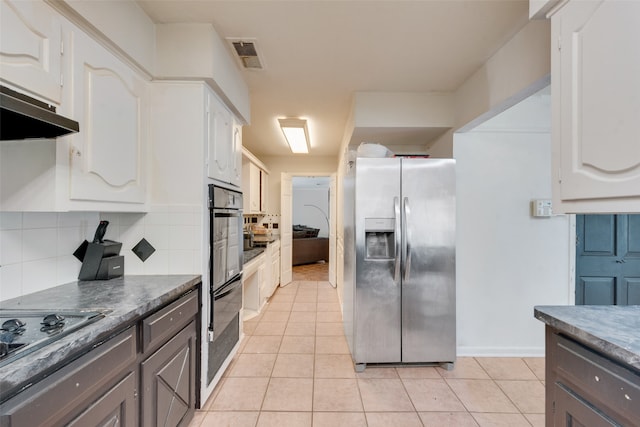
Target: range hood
x,y
23,117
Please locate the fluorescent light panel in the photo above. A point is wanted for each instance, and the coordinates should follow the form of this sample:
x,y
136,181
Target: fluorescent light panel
x,y
296,134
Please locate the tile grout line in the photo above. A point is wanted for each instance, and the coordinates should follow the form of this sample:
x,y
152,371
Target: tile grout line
x,y
357,378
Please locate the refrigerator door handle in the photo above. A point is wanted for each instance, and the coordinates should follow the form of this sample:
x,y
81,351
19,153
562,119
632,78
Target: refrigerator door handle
x,y
396,206
406,211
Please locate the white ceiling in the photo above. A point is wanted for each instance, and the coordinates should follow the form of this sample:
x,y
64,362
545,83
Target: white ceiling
x,y
317,53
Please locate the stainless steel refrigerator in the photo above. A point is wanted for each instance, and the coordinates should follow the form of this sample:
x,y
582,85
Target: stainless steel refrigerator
x,y
399,271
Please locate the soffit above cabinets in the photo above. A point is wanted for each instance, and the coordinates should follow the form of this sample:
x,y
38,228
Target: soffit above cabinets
x,y
317,54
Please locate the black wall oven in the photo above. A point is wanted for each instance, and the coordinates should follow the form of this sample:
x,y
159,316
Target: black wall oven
x,y
225,274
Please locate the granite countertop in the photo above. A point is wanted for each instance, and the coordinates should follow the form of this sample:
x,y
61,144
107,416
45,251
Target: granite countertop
x,y
265,238
611,330
252,253
127,299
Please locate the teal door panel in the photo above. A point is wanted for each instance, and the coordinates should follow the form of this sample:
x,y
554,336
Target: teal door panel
x,y
633,291
608,259
597,291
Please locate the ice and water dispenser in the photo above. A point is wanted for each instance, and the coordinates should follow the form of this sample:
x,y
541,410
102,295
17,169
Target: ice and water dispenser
x,y
379,239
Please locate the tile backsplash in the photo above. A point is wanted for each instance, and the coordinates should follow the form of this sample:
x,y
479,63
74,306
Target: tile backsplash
x,y
36,248
176,233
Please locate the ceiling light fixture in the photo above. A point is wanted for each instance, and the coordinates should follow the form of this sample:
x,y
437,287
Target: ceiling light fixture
x,y
296,133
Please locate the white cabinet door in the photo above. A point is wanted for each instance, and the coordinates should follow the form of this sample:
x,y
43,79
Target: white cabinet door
x,y
236,155
596,104
264,185
220,141
110,102
275,264
286,229
251,188
30,47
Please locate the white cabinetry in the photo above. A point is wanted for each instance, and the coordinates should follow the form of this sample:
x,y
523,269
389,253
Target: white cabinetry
x,y
222,164
275,264
255,179
264,186
183,126
261,277
101,168
236,154
252,185
110,100
272,271
253,284
596,105
31,48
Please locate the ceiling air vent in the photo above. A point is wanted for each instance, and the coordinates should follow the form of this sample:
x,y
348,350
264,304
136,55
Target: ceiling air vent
x,y
247,53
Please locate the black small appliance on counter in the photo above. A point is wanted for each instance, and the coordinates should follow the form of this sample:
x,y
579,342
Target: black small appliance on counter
x,y
101,259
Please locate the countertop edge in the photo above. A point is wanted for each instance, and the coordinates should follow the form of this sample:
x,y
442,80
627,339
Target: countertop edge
x,y
596,340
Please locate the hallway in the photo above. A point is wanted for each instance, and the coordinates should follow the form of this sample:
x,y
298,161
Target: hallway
x,y
294,369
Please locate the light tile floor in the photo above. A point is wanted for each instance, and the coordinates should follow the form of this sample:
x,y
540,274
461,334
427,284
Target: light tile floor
x,y
294,369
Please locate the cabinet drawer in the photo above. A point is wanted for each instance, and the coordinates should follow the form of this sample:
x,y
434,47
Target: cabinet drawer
x,y
67,390
599,380
158,327
571,410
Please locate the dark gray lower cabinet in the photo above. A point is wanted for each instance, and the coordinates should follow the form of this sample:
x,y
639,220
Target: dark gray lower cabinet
x,y
143,376
168,397
587,388
78,393
115,408
572,410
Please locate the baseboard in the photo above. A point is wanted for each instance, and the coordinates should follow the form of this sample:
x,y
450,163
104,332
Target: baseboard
x,y
500,351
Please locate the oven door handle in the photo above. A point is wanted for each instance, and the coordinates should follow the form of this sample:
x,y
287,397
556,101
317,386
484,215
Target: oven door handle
x,y
211,302
225,290
226,213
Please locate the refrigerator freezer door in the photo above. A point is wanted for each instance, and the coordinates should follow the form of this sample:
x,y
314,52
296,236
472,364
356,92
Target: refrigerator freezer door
x,y
428,288
377,323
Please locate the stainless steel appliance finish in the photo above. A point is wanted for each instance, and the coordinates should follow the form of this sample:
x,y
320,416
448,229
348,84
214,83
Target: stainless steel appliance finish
x,y
227,304
399,289
225,274
23,331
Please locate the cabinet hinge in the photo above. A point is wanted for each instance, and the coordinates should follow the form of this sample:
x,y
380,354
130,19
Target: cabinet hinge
x,y
559,43
61,80
560,175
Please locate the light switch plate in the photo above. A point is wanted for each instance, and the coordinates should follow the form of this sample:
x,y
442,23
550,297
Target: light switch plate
x,y
541,208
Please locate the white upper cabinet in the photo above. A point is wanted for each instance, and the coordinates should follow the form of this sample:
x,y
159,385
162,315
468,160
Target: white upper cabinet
x,y
110,100
100,168
596,106
30,57
236,154
251,189
224,143
220,140
255,182
184,119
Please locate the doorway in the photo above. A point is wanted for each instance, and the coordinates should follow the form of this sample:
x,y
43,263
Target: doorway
x,y
308,212
607,259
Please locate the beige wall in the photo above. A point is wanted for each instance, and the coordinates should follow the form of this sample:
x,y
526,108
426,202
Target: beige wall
x,y
443,147
520,68
295,165
123,22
